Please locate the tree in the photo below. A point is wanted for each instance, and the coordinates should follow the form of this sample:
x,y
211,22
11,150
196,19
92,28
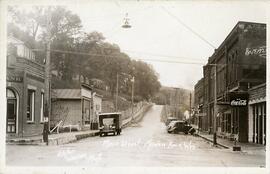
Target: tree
x,y
31,22
101,60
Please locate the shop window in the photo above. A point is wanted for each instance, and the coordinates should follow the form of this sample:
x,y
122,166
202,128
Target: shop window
x,y
264,115
42,108
254,124
229,123
30,106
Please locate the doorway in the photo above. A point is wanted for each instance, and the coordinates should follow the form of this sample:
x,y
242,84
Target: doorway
x,y
11,111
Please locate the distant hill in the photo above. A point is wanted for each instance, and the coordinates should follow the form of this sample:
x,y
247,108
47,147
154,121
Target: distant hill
x,y
173,96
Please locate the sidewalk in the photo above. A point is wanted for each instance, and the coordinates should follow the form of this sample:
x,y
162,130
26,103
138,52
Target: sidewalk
x,y
225,143
68,137
54,139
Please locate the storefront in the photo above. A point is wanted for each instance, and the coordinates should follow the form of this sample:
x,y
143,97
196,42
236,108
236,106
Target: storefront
x,y
257,114
232,117
238,119
76,107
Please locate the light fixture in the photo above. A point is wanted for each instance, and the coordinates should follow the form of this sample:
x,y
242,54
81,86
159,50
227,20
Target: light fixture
x,y
126,22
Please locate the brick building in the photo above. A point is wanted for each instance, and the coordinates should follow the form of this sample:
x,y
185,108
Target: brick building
x,y
24,90
239,64
200,109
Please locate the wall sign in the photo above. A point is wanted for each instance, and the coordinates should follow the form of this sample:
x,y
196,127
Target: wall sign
x,y
11,78
238,100
261,51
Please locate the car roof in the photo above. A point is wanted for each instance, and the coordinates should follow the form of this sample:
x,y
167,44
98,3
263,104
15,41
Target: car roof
x,y
110,113
171,118
178,121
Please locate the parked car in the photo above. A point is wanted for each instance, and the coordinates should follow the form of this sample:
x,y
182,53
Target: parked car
x,y
169,119
180,126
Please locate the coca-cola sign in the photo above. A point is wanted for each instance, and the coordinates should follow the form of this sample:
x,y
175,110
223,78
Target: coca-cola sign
x,y
238,102
238,99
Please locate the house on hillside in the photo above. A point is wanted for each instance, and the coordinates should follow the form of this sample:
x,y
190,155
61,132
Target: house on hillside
x,y
78,107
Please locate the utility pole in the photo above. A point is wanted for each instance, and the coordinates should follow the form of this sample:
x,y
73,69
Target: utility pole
x,y
47,80
132,94
190,106
215,104
116,96
215,107
175,103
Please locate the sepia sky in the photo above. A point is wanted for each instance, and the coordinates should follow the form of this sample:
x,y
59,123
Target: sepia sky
x,y
167,32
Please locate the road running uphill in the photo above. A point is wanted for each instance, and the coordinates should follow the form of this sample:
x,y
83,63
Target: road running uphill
x,y
145,144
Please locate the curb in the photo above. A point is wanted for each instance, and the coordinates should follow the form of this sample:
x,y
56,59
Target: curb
x,y
24,142
52,141
210,140
71,139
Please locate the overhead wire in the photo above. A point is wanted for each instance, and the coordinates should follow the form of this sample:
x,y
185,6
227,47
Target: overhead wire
x,y
112,56
187,27
144,59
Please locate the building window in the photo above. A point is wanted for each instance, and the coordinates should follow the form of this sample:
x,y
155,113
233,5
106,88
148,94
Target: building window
x,y
30,105
42,108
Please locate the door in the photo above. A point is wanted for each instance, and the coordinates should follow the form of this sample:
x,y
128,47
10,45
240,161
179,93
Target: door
x,y
11,116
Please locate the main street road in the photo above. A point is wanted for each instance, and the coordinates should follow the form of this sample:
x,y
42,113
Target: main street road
x,y
143,144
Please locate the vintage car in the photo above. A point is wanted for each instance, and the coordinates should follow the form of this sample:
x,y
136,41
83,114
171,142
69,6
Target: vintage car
x,y
180,126
169,119
110,123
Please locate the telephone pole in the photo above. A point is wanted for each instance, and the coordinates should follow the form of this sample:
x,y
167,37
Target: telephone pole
x,y
215,108
116,96
47,80
132,94
190,106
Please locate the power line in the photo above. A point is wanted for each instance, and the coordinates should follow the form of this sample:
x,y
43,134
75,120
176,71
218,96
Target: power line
x,y
171,61
145,59
189,28
102,55
160,55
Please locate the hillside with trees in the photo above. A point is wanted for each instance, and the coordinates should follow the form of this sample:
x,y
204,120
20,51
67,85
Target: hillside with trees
x,y
77,55
177,100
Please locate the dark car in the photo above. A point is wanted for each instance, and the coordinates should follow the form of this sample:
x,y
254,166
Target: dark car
x,y
180,126
169,119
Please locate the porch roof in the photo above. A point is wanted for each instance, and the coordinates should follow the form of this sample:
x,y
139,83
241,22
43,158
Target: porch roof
x,y
67,93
